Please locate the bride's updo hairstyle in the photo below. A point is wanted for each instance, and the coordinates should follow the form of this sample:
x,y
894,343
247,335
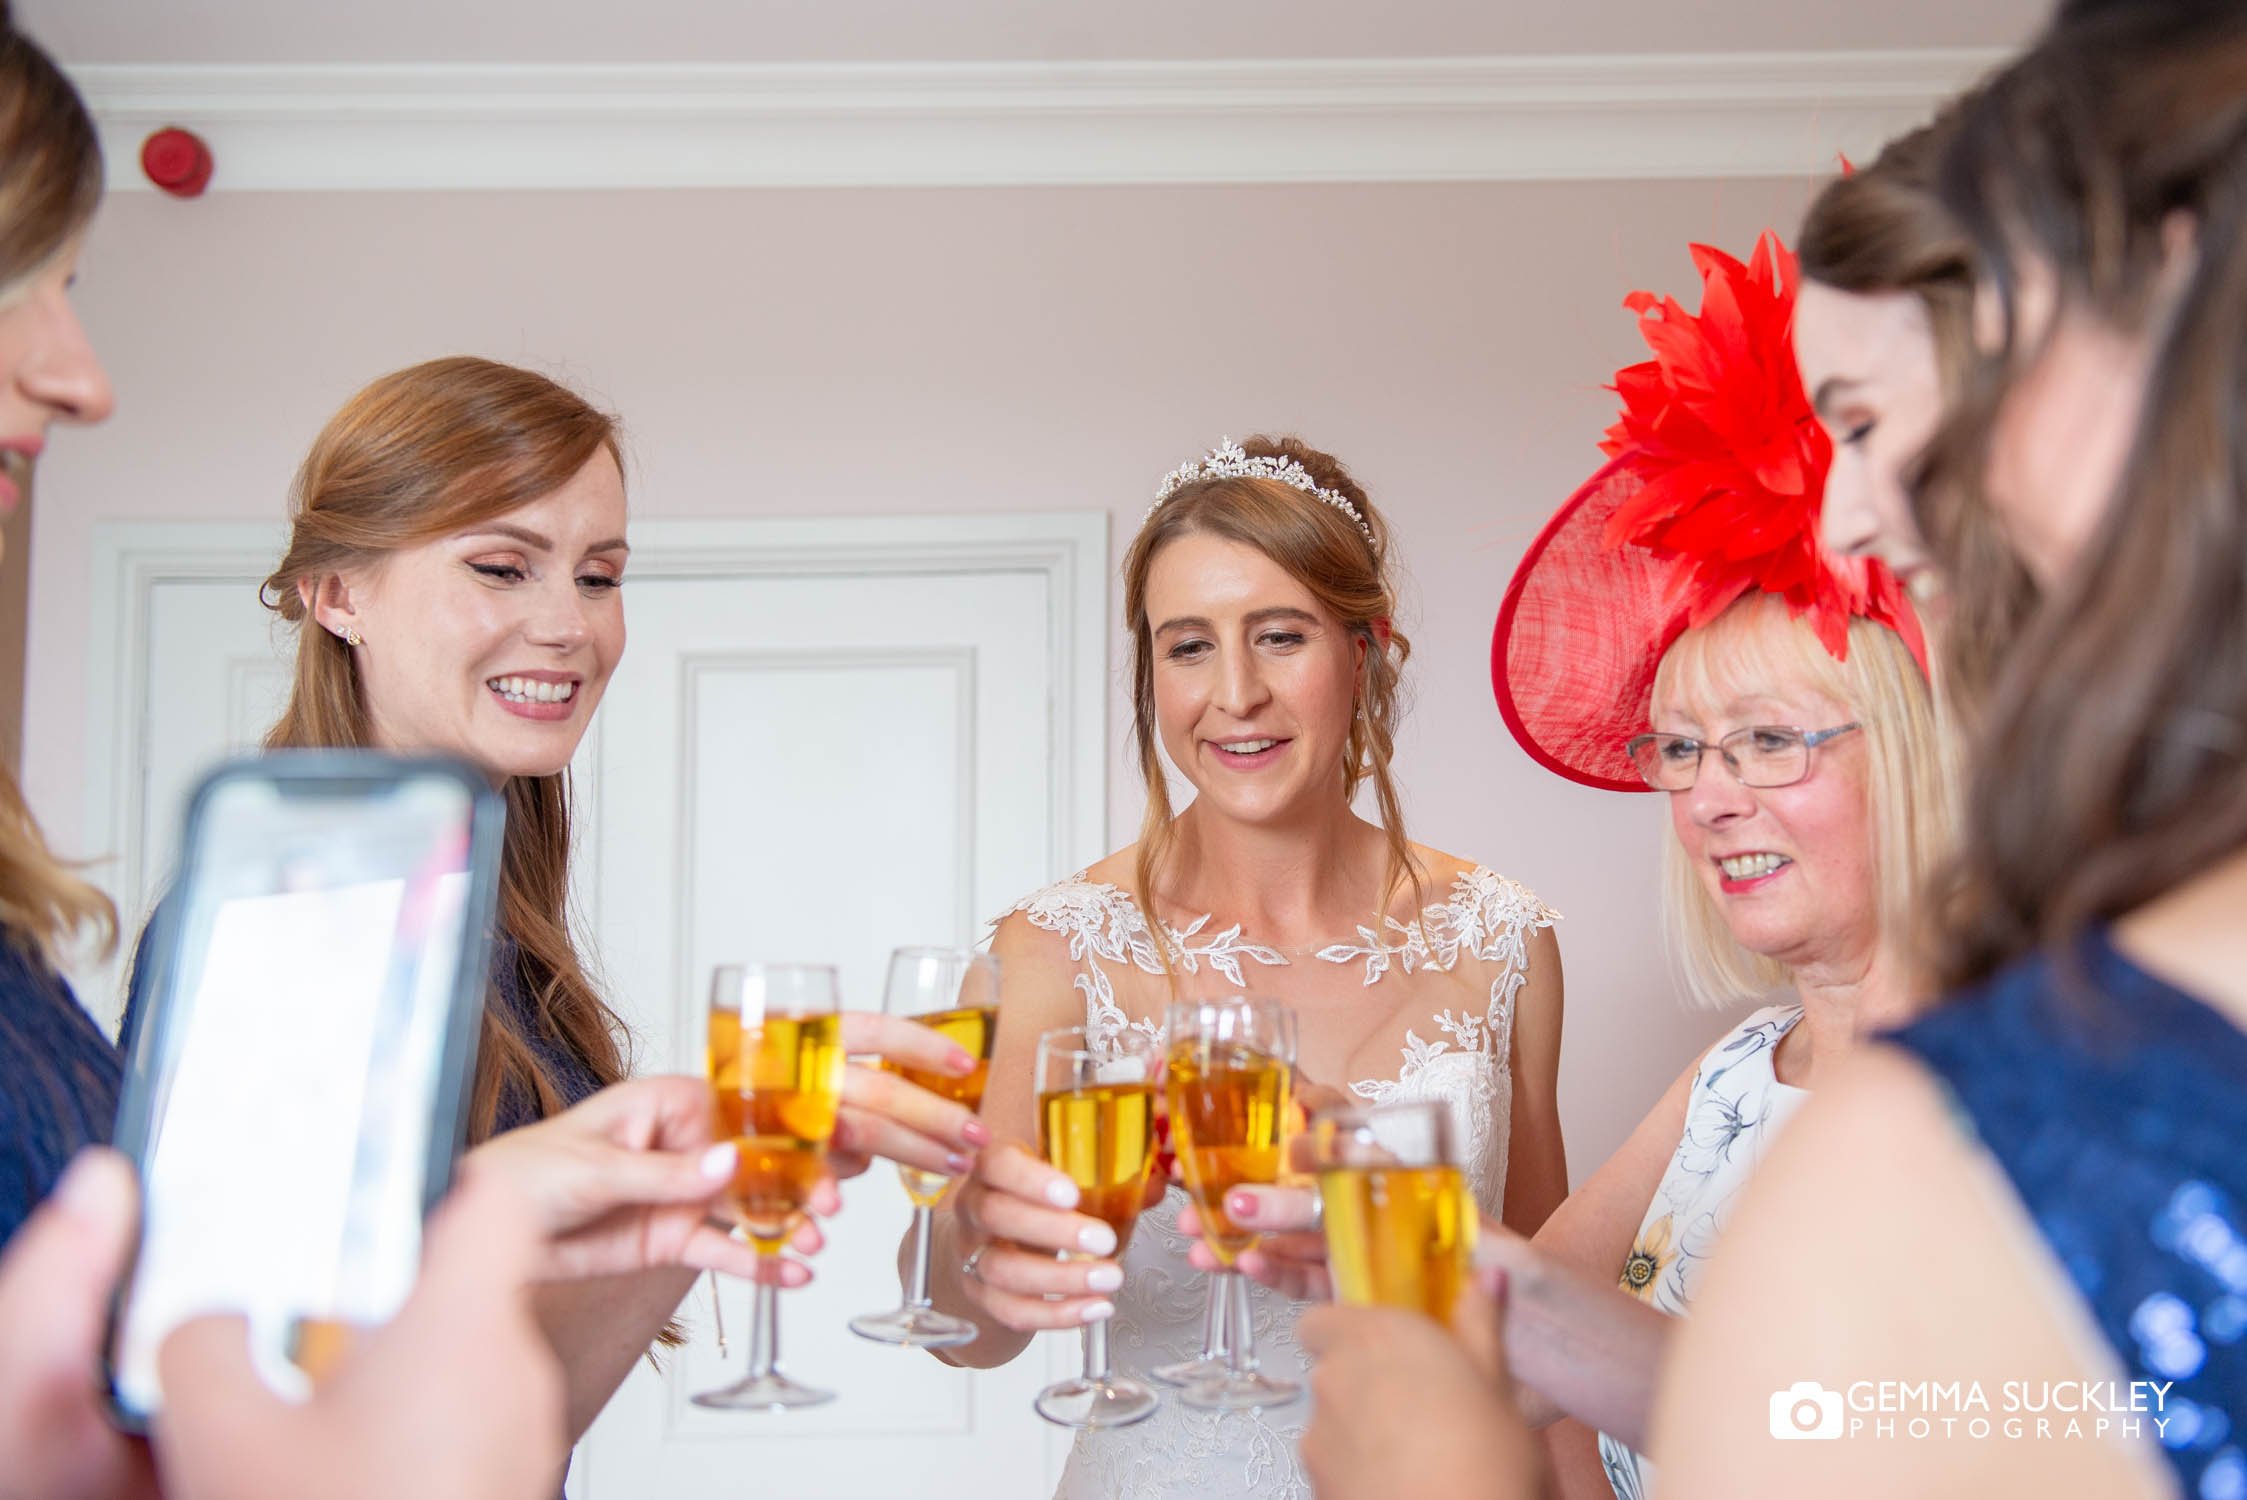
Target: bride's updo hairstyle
x,y
1341,560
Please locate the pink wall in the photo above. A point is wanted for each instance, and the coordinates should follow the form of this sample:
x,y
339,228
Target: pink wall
x,y
839,352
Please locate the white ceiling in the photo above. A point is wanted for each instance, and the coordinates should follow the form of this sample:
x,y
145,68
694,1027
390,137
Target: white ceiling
x,y
646,31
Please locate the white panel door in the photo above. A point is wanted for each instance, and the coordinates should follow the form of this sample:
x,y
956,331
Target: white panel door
x,y
828,768
826,739
184,666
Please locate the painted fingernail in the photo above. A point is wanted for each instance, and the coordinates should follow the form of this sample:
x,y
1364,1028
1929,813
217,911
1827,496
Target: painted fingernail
x,y
1240,1205
976,1133
1097,1239
1104,1279
717,1162
1061,1193
1095,1311
958,1163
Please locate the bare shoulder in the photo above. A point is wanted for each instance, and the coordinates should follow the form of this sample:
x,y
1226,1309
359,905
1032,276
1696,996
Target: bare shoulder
x,y
1091,910
1441,870
1446,876
1019,940
1120,869
1101,884
1879,1243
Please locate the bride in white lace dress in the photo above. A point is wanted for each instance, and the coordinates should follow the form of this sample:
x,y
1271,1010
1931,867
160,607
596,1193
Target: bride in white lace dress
x,y
1266,669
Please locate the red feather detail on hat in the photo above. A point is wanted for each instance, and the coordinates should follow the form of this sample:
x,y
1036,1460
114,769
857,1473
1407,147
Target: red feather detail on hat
x,y
1716,472
1732,460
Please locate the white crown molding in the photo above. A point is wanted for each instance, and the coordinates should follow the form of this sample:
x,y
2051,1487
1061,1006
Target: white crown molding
x,y
285,128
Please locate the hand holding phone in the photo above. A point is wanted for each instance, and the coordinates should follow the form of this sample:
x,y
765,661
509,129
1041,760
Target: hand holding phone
x,y
56,1280
458,1397
315,987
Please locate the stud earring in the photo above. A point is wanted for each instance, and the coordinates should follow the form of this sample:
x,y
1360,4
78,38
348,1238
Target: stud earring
x,y
353,639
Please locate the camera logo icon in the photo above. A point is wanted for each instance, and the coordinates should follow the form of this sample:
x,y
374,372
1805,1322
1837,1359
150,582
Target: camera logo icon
x,y
1806,1409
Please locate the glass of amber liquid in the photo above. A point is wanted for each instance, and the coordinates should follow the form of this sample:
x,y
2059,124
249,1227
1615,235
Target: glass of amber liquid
x,y
1227,1081
1096,1123
1399,1220
954,991
776,1069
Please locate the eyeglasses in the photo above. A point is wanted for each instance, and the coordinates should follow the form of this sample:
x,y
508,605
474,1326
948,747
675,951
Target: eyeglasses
x,y
1766,756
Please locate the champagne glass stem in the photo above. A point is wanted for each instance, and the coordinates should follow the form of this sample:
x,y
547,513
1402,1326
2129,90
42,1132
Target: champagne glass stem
x,y
1096,1352
1211,1361
916,1289
764,1319
1240,1334
1213,1320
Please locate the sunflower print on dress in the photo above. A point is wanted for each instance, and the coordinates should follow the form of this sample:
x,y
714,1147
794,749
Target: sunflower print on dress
x,y
1644,1266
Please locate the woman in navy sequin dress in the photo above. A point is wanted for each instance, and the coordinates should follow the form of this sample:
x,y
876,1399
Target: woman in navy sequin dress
x,y
2026,1219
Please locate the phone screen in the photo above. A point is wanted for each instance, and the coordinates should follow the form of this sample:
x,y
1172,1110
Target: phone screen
x,y
294,1095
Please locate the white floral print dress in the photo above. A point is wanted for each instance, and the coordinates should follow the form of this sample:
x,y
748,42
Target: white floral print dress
x,y
1733,1115
1482,926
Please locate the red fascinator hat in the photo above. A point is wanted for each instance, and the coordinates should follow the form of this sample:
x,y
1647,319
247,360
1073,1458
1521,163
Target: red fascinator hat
x,y
1716,469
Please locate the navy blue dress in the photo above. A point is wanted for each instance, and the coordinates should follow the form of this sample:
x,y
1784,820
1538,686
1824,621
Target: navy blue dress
x,y
572,1078
2118,1110
58,1082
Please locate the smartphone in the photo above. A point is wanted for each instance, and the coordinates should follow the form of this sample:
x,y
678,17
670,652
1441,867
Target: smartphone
x,y
297,1090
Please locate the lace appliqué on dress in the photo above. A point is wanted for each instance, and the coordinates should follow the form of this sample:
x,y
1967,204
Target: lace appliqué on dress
x,y
1179,1452
1488,918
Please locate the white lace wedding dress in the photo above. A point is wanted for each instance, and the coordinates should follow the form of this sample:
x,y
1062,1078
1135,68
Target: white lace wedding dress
x,y
1481,929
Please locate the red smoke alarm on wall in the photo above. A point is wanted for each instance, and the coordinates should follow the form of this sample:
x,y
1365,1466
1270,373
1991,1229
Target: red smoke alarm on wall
x,y
177,161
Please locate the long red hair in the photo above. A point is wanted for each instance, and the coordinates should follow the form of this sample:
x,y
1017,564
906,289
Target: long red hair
x,y
421,454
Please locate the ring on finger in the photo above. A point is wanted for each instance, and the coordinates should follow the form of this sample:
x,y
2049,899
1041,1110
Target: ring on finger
x,y
971,1267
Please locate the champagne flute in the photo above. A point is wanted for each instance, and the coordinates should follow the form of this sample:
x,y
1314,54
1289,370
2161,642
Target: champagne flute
x,y
1228,1078
776,1069
1399,1220
1096,1123
954,991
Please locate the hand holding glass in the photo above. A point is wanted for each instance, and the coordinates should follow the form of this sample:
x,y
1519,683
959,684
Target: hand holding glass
x,y
953,991
1096,1123
1399,1221
1227,1081
776,1070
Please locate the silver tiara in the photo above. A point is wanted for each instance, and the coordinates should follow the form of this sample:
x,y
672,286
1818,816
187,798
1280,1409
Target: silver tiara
x,y
1228,460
